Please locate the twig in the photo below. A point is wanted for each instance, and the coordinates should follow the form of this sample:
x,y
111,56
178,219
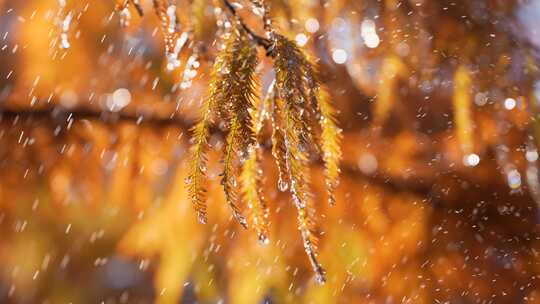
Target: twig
x,y
138,7
64,115
265,43
135,4
267,21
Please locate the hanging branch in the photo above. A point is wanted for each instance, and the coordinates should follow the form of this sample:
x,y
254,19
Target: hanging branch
x,y
293,90
238,93
231,95
302,118
301,113
251,172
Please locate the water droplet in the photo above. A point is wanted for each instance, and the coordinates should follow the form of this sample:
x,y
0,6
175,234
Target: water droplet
x,y
118,100
312,25
369,34
225,70
263,239
242,220
514,179
64,41
471,160
259,11
320,277
172,55
339,56
171,13
64,27
531,155
510,103
172,61
368,163
331,200
125,17
282,185
301,39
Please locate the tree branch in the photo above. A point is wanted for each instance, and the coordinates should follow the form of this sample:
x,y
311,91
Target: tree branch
x,y
64,116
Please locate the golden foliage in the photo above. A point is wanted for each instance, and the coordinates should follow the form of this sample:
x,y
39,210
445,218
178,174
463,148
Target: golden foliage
x,y
292,89
299,110
160,235
232,91
251,172
197,172
298,107
236,101
393,70
330,142
462,109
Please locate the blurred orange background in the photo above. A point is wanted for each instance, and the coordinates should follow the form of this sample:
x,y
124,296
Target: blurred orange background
x,y
438,200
